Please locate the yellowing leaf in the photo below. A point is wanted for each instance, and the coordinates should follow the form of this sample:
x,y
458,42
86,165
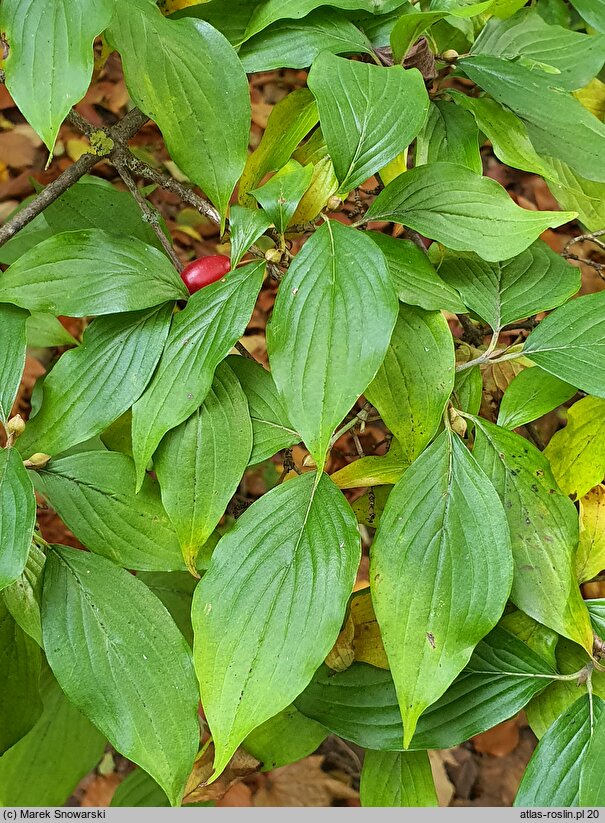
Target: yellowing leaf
x,y
590,559
372,471
592,97
396,167
577,453
367,641
342,654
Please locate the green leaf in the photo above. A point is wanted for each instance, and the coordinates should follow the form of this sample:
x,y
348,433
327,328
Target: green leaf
x,y
30,235
79,273
543,710
360,704
92,385
91,203
593,11
175,590
369,507
552,777
570,343
32,773
246,226
596,609
577,194
323,182
397,779
281,195
408,28
373,471
462,210
44,330
271,428
22,598
187,77
94,494
511,144
501,293
20,704
468,389
592,776
200,463
269,11
139,789
506,132
290,120
50,40
450,135
18,508
416,378
414,277
296,43
555,12
590,557
577,452
89,604
558,125
543,525
530,395
337,285
369,114
231,20
285,738
440,570
576,57
200,337
536,636
291,548
12,355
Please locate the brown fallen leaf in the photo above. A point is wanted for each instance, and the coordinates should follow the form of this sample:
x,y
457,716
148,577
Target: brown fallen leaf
x,y
443,784
499,741
240,765
303,784
19,147
100,790
238,795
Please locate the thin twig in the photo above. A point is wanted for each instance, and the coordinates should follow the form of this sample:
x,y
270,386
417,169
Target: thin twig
x,y
126,128
186,193
80,123
47,196
592,236
244,351
495,357
598,267
150,215
471,334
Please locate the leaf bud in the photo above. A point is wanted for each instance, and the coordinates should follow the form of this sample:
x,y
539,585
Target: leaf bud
x,y
37,461
15,426
273,256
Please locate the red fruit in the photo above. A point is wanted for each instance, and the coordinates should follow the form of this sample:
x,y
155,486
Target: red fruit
x,y
205,270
